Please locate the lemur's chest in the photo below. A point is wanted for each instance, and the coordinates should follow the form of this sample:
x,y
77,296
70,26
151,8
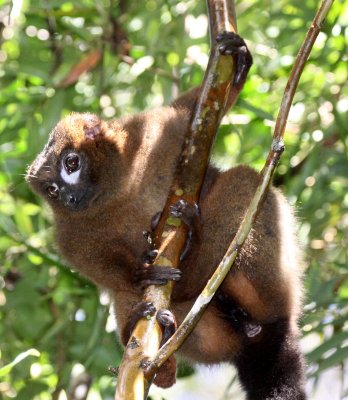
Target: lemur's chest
x,y
102,242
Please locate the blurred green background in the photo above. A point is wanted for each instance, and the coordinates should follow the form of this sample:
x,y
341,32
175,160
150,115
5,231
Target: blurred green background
x,y
115,57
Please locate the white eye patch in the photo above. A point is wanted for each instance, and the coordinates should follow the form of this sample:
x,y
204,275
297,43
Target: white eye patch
x,y
71,179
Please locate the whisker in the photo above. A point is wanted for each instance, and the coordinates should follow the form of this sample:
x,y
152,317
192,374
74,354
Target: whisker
x,y
29,176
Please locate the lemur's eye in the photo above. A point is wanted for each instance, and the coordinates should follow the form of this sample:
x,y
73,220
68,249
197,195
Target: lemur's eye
x,y
72,163
53,191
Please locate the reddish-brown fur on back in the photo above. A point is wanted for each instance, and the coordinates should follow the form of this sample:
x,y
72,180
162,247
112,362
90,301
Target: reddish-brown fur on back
x,y
133,160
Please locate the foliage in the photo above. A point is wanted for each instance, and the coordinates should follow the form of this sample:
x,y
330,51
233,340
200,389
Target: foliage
x,y
55,328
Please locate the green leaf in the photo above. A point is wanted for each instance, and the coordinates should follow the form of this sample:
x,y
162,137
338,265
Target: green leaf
x,y
333,343
7,368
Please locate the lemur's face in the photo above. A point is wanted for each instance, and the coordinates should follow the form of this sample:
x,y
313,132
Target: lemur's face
x,y
64,181
67,171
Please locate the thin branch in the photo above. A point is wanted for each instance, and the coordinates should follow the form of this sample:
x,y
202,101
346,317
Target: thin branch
x,y
297,70
55,47
170,239
273,157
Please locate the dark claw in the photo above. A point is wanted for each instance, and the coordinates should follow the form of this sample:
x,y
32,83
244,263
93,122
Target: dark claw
x,y
187,247
167,320
155,220
185,211
144,309
148,237
244,62
189,213
149,256
155,275
233,45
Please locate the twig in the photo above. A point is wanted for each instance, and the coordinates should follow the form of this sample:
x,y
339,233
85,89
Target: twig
x,y
273,157
170,240
55,48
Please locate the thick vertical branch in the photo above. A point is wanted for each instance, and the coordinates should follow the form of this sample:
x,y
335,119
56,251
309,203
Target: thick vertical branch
x,y
266,175
170,235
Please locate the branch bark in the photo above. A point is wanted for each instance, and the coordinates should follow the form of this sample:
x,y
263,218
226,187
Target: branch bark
x,y
170,234
275,152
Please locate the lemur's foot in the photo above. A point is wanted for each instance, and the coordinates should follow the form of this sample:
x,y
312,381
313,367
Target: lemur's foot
x,y
166,374
232,44
155,275
186,211
168,323
144,309
239,318
149,235
190,214
149,256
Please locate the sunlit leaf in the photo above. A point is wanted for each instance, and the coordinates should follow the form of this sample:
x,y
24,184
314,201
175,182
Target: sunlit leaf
x,y
7,368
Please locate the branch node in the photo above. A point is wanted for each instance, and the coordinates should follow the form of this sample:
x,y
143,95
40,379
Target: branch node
x,y
133,343
148,367
278,146
113,370
145,364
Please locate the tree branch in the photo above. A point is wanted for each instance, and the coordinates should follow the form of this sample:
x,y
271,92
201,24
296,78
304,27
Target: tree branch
x,y
272,160
170,236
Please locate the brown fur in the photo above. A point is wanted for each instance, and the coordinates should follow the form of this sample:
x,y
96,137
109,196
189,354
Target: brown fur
x,y
131,163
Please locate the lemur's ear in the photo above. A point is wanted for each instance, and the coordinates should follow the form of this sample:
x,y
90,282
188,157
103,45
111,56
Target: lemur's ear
x,y
93,127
